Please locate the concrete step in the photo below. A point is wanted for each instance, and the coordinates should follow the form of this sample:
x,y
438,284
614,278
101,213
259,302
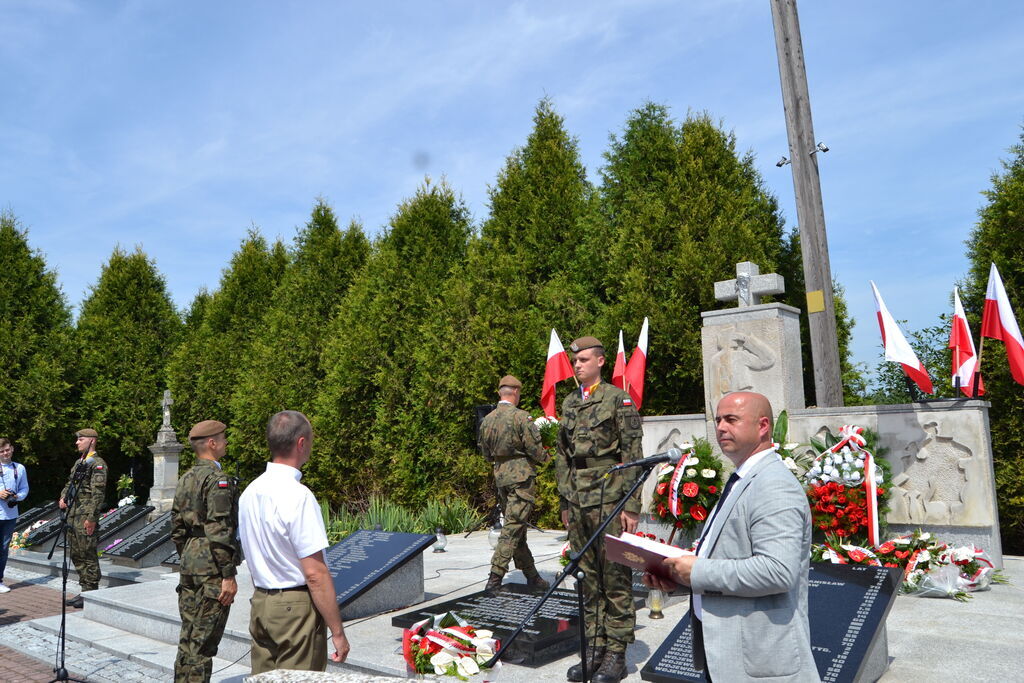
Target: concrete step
x,y
134,647
113,575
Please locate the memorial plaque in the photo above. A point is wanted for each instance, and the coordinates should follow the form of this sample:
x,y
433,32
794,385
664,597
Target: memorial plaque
x,y
113,521
365,558
847,606
44,533
146,547
552,633
173,561
30,517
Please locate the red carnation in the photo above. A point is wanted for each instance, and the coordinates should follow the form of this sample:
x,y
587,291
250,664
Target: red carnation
x,y
712,489
690,489
698,512
662,488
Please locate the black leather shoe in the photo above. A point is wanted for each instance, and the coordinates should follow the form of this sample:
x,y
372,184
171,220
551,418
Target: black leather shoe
x,y
594,657
76,601
612,669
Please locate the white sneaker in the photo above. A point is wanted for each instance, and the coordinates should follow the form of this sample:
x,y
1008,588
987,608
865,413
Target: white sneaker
x,y
4,588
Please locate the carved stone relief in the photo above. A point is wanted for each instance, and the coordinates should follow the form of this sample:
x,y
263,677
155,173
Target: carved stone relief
x,y
734,366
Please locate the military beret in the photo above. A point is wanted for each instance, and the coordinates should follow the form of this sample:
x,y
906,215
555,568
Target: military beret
x,y
510,381
206,429
584,343
87,432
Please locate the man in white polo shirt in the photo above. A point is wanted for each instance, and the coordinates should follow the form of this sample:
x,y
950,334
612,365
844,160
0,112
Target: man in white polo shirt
x,y
284,538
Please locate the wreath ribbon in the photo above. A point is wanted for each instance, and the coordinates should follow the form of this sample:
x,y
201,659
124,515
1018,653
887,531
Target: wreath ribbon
x,y
675,503
853,437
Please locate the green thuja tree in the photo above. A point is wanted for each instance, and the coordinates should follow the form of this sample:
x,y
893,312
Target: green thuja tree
x,y
204,370
531,269
368,440
35,355
683,207
125,335
998,238
280,368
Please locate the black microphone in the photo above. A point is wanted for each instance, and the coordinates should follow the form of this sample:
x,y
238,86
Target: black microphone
x,y
671,456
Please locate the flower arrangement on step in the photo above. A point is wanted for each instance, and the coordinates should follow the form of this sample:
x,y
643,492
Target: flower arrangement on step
x,y
20,539
447,645
685,492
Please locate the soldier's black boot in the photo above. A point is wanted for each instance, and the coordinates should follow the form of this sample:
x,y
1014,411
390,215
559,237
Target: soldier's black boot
x,y
594,657
493,583
536,581
612,669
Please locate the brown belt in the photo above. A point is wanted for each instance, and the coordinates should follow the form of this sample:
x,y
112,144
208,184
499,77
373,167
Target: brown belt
x,y
275,591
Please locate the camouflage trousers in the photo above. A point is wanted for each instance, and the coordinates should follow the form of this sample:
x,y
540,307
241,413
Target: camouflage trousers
x,y
82,548
517,501
609,612
202,625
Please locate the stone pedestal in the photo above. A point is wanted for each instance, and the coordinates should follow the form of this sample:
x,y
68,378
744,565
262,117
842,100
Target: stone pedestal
x,y
166,452
753,348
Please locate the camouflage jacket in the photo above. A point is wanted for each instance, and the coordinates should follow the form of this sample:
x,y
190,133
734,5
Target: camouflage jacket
x,y
510,440
593,436
92,490
204,521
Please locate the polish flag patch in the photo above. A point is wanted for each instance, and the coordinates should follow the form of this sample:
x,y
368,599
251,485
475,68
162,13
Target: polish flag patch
x,y
627,401
223,483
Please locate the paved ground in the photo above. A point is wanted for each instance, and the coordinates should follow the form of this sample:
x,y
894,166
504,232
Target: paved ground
x,y
33,655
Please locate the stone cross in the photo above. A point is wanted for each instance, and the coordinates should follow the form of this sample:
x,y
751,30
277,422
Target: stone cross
x,y
167,403
749,285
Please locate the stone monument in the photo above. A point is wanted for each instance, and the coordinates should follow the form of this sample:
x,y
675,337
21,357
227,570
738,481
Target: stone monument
x,y
940,451
166,452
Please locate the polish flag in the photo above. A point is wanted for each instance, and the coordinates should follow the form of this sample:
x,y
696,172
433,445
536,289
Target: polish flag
x,y
965,360
558,368
896,347
634,375
998,322
620,365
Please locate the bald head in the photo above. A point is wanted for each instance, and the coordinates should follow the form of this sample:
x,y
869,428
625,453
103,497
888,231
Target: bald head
x,y
743,425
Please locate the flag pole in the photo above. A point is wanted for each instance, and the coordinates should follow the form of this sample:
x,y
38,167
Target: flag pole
x,y
977,367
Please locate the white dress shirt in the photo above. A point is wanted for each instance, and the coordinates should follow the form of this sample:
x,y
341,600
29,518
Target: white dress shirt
x,y
741,471
280,523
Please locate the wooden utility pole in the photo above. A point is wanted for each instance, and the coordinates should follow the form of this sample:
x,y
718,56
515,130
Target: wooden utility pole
x,y
821,315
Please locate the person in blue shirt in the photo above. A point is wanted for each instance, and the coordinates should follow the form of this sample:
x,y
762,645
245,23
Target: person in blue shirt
x,y
13,489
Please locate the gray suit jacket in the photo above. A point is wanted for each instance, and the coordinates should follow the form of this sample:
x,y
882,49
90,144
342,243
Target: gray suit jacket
x,y
753,579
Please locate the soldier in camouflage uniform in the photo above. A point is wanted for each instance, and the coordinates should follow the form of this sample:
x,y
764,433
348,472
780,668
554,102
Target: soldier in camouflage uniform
x,y
600,428
90,472
510,440
204,528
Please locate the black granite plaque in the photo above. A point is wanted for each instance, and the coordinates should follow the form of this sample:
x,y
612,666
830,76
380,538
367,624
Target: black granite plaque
x,y
365,558
115,520
145,540
173,561
30,517
551,634
45,532
847,605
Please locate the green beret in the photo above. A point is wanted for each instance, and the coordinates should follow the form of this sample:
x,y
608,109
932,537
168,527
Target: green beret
x,y
206,429
510,381
87,432
584,343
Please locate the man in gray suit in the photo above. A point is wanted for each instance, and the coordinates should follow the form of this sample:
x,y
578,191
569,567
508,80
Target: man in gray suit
x,y
749,574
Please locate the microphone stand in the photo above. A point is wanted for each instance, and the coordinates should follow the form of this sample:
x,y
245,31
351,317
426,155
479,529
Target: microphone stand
x,y
59,671
573,569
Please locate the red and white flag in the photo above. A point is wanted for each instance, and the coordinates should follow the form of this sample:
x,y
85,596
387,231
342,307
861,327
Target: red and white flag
x,y
897,349
558,368
965,360
637,367
998,322
620,365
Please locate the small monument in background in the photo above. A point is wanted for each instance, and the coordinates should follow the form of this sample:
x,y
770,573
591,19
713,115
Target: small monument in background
x,y
166,452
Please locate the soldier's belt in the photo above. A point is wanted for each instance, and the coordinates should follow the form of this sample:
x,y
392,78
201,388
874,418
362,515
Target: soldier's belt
x,y
587,463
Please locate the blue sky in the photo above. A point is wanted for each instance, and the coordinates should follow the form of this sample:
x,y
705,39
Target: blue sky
x,y
177,126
